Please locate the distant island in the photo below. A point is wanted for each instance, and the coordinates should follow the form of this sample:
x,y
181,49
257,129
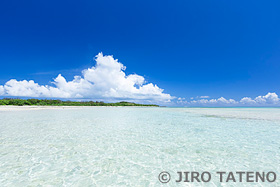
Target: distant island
x,y
57,102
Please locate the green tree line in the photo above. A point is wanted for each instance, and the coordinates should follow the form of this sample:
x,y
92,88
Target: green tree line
x,y
57,102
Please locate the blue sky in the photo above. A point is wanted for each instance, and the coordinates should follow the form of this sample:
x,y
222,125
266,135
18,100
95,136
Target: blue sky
x,y
227,49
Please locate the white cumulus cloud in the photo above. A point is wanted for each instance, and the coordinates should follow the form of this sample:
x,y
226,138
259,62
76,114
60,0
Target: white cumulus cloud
x,y
106,80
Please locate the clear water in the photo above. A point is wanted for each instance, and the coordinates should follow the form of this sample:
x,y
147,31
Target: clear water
x,y
122,146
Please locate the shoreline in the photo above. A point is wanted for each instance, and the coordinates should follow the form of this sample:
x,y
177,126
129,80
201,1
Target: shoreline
x,y
34,107
43,107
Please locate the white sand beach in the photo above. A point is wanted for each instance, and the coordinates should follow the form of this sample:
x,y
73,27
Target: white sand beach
x,y
19,108
34,107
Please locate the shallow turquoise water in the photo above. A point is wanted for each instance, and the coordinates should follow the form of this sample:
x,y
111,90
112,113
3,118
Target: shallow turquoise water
x,y
122,146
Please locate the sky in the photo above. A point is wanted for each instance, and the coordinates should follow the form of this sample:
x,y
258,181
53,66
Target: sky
x,y
180,52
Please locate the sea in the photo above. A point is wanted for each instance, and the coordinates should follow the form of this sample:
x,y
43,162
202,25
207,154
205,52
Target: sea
x,y
139,146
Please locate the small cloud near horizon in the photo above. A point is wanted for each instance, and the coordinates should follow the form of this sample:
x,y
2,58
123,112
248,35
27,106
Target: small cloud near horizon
x,y
270,99
204,97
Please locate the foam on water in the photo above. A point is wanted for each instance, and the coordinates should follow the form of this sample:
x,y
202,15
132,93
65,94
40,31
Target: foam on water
x,y
125,146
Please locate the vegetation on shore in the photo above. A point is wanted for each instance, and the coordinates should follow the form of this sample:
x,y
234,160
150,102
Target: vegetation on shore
x,y
57,102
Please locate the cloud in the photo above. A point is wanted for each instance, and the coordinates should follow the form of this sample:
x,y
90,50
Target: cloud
x,y
215,102
1,90
204,97
106,80
247,101
270,99
200,97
